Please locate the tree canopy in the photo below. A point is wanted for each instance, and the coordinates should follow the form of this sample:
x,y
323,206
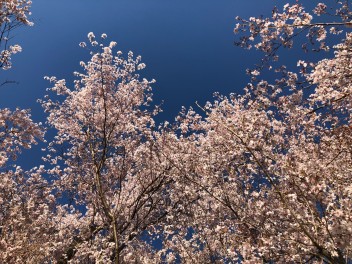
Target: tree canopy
x,y
258,177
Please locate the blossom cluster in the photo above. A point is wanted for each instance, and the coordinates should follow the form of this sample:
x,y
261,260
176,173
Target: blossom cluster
x,y
13,14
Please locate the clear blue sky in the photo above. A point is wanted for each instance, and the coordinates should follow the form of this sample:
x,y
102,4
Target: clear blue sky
x,y
186,44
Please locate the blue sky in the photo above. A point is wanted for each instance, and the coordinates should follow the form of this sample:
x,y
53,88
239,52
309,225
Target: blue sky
x,y
187,47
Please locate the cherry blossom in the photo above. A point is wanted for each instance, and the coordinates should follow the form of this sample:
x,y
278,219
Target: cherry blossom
x,y
21,193
266,175
258,177
104,160
13,14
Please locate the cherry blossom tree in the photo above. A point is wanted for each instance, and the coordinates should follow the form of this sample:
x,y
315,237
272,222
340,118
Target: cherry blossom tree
x,y
21,193
269,34
269,172
103,158
260,177
13,14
